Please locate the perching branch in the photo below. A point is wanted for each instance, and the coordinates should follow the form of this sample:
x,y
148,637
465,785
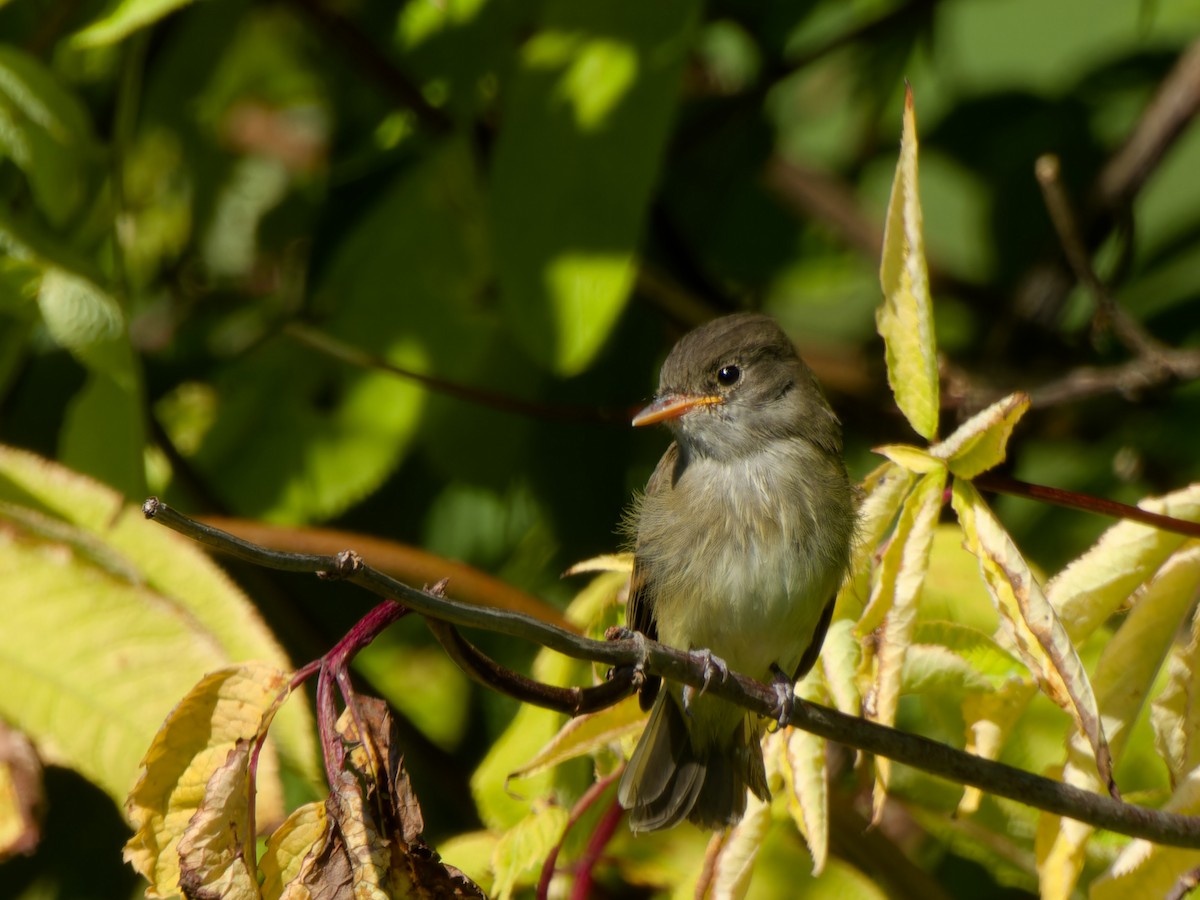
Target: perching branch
x,y
913,750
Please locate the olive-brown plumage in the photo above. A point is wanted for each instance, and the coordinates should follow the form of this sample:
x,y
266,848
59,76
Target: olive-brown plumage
x,y
741,540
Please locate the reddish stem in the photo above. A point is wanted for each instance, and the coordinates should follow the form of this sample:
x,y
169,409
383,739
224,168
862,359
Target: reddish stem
x,y
590,796
1002,484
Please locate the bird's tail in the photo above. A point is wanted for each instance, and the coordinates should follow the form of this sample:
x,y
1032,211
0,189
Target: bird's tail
x,y
669,778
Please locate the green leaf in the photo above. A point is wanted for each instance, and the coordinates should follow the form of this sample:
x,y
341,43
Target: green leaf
x,y
914,459
734,865
298,437
109,620
806,774
45,130
587,734
525,846
1095,585
587,118
905,320
980,443
120,18
1032,625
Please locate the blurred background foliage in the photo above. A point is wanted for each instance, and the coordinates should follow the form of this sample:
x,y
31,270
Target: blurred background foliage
x,y
534,199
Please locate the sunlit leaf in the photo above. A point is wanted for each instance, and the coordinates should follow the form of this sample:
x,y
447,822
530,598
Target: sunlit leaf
x,y
905,320
981,442
292,849
525,847
1175,713
841,656
1092,587
901,576
216,850
913,459
1147,871
1122,680
587,734
226,707
1030,620
586,119
990,717
45,130
734,865
884,490
806,778
149,614
120,18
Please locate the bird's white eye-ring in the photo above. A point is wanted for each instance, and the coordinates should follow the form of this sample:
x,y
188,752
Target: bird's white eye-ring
x,y
729,376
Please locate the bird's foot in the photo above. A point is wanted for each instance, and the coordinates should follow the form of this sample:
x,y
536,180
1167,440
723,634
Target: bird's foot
x,y
714,667
617,633
785,696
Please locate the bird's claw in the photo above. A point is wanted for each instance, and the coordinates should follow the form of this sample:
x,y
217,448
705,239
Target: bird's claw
x,y
714,667
785,696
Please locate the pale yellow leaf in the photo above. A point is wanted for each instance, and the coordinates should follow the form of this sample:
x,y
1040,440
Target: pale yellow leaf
x,y
292,850
524,847
216,851
905,320
913,459
884,586
1095,585
883,491
1122,680
838,666
1146,871
108,620
734,865
225,707
990,717
1175,713
901,576
587,734
605,562
806,778
1036,632
980,443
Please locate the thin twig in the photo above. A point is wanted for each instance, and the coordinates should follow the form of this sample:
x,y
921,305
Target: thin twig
x,y
919,752
1108,313
1002,484
339,350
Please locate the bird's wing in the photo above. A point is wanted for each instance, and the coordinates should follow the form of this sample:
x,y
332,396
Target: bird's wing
x,y
639,614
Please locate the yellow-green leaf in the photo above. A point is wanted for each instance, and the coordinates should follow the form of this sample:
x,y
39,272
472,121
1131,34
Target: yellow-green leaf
x,y
525,847
897,590
1175,715
883,490
1092,587
591,733
806,777
905,320
838,667
225,707
980,443
734,865
109,620
914,459
1146,871
1030,620
292,850
216,851
1122,680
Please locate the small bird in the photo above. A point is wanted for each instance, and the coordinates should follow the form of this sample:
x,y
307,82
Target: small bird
x,y
741,540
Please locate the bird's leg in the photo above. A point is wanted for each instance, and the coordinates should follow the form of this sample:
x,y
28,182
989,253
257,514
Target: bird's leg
x,y
714,667
785,695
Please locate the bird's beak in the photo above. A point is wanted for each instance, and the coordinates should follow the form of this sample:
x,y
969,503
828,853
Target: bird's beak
x,y
672,406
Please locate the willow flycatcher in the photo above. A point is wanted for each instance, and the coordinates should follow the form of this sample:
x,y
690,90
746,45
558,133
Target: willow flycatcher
x,y
742,538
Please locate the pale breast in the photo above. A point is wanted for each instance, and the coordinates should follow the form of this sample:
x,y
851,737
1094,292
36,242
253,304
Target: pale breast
x,y
736,557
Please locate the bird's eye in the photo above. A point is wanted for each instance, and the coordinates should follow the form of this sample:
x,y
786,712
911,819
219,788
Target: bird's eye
x,y
729,375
